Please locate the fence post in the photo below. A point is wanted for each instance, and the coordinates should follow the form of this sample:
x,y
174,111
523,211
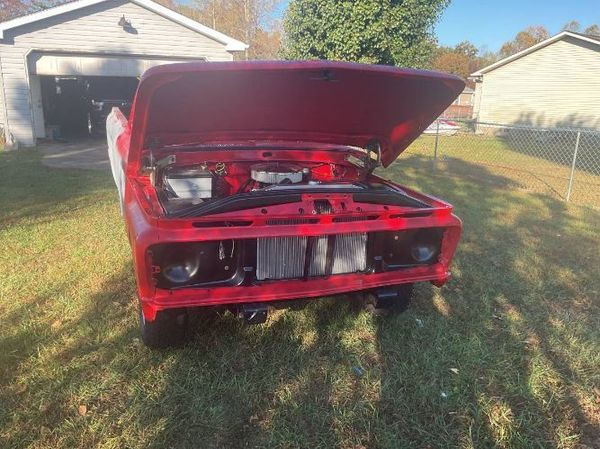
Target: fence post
x,y
573,166
435,148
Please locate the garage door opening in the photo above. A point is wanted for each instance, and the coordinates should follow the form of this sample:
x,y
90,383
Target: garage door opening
x,y
77,106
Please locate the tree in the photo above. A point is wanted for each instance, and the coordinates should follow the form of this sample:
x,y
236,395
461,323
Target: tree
x,y
456,60
593,30
393,32
486,57
462,60
572,25
466,48
251,21
524,39
9,9
266,44
450,61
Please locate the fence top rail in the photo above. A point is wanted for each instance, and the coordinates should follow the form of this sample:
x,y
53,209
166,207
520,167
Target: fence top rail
x,y
524,127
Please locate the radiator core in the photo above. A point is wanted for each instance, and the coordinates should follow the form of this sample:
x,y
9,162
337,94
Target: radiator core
x,y
285,257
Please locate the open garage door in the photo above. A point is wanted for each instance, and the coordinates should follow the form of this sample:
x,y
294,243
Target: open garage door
x,y
74,92
77,106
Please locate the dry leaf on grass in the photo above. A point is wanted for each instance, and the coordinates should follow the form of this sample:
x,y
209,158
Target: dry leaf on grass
x,y
44,407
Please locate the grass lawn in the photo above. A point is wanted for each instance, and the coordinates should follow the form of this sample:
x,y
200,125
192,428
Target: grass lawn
x,y
506,355
532,164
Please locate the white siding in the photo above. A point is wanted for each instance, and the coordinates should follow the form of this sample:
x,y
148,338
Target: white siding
x,y
93,30
557,85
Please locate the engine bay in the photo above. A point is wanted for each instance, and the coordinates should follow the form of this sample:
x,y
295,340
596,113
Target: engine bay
x,y
190,189
195,189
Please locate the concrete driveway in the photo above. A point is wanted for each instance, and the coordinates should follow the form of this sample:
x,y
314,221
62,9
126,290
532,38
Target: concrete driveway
x,y
91,154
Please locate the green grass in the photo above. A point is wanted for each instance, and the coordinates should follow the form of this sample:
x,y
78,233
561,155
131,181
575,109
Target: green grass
x,y
529,163
506,355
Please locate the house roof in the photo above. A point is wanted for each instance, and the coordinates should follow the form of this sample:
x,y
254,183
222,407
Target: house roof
x,y
589,36
583,37
230,43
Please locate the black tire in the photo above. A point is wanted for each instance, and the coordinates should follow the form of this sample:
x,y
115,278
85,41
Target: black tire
x,y
169,329
394,299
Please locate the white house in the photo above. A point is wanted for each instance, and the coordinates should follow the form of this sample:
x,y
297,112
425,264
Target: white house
x,y
553,83
114,40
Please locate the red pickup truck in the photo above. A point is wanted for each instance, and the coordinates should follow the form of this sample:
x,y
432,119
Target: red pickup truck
x,y
246,185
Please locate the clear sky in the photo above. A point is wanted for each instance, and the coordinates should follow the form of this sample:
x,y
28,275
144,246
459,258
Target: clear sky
x,y
491,23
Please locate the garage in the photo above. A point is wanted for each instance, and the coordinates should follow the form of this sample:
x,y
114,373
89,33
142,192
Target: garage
x,y
79,91
63,69
77,106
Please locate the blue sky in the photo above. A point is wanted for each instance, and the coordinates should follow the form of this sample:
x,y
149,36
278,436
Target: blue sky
x,y
491,23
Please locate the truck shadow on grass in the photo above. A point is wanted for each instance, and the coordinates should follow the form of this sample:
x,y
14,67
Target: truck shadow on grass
x,y
505,355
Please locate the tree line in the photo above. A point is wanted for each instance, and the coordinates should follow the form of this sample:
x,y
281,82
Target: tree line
x,y
392,32
464,58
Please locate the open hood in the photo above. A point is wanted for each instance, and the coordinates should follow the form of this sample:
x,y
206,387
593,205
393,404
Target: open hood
x,y
309,101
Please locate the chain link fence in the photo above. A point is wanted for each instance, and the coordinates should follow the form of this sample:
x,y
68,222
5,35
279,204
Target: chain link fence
x,y
564,162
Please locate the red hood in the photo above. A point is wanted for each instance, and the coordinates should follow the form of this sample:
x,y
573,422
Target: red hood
x,y
310,101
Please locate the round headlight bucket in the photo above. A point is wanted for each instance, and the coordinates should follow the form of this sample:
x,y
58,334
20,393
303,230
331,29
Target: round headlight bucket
x,y
181,267
426,245
423,252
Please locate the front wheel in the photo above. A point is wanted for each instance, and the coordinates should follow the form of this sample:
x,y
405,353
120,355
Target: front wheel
x,y
169,328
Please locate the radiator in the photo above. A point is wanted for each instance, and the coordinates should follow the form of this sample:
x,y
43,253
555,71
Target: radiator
x,y
285,257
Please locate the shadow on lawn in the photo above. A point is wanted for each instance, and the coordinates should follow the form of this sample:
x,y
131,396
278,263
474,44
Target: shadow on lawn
x,y
556,143
58,364
36,190
525,275
522,295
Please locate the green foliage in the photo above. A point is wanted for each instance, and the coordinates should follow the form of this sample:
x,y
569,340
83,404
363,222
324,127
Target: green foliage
x,y
377,32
